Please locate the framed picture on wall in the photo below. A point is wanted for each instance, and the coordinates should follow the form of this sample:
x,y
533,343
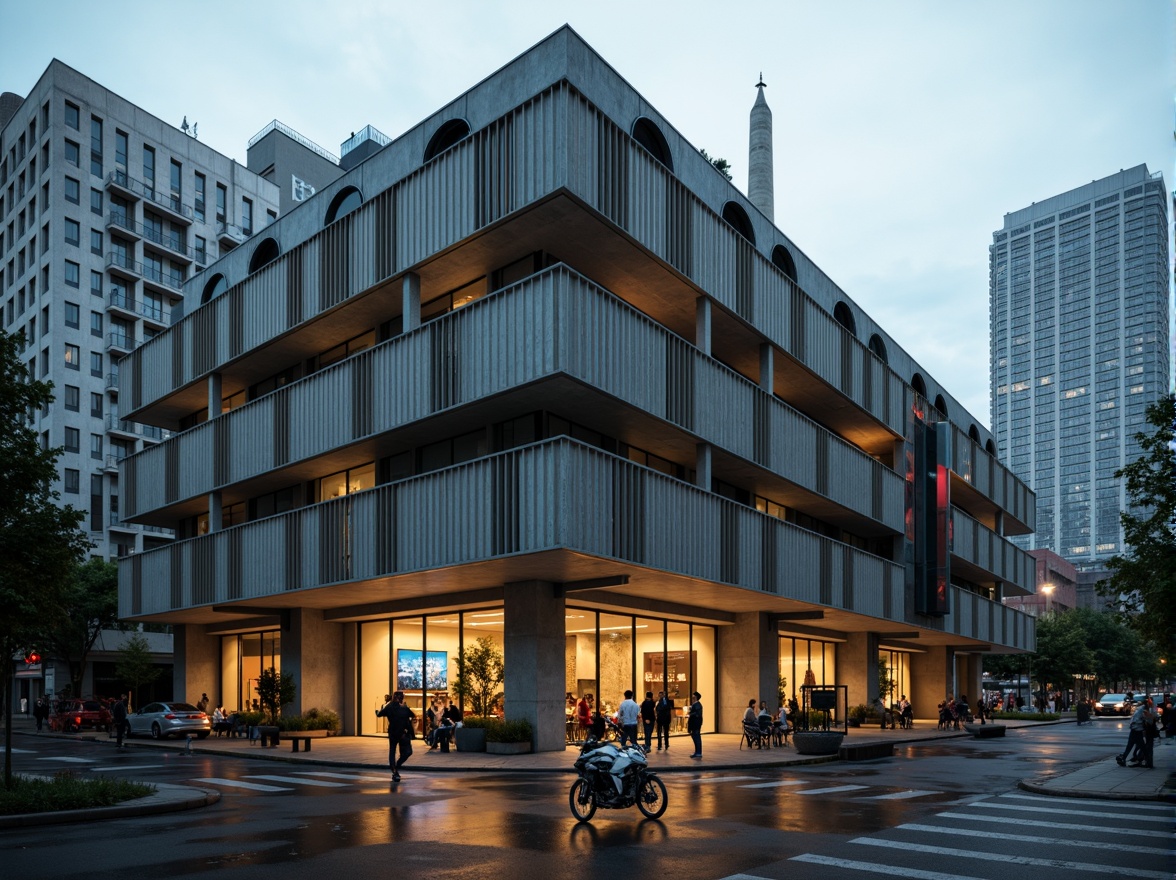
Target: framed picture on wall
x,y
415,671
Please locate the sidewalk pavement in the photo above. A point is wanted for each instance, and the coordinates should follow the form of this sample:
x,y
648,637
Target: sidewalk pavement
x,y
1101,779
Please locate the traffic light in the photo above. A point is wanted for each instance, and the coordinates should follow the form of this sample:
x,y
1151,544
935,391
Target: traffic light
x,y
32,658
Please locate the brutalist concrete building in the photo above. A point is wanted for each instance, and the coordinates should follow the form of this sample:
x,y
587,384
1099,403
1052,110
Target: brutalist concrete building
x,y
535,376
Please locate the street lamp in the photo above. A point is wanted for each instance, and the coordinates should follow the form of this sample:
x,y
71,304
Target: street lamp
x,y
1048,590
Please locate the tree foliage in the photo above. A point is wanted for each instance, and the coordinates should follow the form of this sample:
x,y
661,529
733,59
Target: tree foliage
x,y
722,165
1142,586
480,671
40,543
91,603
275,690
135,664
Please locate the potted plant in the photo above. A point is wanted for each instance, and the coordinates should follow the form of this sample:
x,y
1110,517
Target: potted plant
x,y
509,737
480,671
858,714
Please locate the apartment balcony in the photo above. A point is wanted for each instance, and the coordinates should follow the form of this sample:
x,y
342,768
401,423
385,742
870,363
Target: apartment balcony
x,y
111,384
163,280
171,205
124,224
173,246
121,343
122,428
125,185
110,464
229,236
122,304
125,527
118,263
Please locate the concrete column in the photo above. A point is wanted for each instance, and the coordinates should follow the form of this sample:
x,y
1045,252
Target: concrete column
x,y
703,457
214,395
702,324
196,664
931,680
749,666
312,651
767,376
533,640
857,668
215,521
410,301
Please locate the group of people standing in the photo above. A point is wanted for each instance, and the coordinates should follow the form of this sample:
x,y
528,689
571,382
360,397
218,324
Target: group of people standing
x,y
647,717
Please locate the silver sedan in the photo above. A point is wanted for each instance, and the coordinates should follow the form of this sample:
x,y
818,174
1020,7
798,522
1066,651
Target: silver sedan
x,y
159,720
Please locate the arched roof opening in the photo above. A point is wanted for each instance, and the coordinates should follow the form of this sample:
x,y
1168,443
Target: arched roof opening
x,y
782,260
265,252
734,215
974,433
941,404
844,316
990,448
919,385
446,136
214,287
646,133
345,201
879,348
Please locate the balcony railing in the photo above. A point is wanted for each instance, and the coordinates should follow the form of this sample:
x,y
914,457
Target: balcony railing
x,y
150,311
165,200
230,233
123,262
161,278
120,220
112,382
122,341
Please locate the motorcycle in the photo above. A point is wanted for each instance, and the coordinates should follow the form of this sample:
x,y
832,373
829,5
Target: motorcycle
x,y
613,778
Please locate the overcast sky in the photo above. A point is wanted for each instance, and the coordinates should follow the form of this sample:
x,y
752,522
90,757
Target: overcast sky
x,y
904,131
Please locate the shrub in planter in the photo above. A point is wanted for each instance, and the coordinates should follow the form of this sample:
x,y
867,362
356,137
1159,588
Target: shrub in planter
x,y
251,719
516,731
312,719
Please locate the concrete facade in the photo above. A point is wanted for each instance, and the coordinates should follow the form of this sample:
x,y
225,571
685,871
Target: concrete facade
x,y
533,387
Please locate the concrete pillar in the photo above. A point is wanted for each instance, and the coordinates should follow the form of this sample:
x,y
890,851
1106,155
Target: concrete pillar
x,y
702,324
215,521
312,651
931,680
214,395
533,641
857,668
703,471
767,376
410,301
196,664
749,666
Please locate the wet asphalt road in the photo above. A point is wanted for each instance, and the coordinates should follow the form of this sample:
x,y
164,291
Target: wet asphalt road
x,y
947,809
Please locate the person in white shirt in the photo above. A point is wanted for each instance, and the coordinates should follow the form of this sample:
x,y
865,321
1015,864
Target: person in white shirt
x,y
627,714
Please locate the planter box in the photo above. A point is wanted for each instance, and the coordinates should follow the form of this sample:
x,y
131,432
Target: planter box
x,y
508,748
470,739
818,742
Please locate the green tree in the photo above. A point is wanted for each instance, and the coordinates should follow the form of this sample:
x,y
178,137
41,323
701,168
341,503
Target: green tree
x,y
275,690
1142,586
40,543
135,664
480,671
91,600
723,166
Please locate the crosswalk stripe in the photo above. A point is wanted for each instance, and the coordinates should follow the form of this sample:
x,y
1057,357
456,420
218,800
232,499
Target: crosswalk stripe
x,y
900,795
708,780
237,783
119,767
835,788
23,751
1093,814
1032,838
775,784
68,760
319,782
1060,826
875,868
1155,808
353,776
907,846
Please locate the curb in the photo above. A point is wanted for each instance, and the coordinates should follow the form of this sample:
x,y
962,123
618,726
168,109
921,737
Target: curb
x,y
167,799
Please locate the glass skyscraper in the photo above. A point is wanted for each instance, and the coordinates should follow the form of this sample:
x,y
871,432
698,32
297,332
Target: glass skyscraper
x,y
1078,300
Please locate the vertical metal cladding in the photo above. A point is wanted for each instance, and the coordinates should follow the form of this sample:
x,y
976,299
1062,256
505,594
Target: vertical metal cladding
x,y
237,322
729,556
203,578
335,245
292,539
176,568
362,398
745,259
505,506
769,557
383,208
222,451
628,494
679,220
233,589
171,478
136,585
295,286
680,384
613,149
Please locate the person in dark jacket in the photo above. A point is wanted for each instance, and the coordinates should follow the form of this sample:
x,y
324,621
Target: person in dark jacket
x,y
120,719
401,722
694,723
663,711
648,716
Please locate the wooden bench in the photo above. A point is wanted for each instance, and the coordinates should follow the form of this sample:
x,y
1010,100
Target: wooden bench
x,y
865,751
304,737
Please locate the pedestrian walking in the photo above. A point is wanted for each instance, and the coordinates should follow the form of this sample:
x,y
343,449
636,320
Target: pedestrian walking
x,y
401,721
40,712
1143,715
120,719
694,723
648,717
627,714
663,711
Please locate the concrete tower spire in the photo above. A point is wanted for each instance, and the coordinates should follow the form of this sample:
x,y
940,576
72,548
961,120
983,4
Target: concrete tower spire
x,y
760,188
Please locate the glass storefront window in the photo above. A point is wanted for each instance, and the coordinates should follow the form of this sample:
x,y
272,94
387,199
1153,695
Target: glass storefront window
x,y
799,657
243,657
374,676
898,664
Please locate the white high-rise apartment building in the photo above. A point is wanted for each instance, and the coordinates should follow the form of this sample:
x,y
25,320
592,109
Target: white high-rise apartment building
x,y
1079,322
105,212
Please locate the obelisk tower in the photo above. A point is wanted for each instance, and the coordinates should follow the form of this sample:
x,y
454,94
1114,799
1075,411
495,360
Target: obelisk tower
x,y
760,188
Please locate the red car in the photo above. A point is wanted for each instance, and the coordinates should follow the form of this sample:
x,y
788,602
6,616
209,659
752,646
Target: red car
x,y
75,715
